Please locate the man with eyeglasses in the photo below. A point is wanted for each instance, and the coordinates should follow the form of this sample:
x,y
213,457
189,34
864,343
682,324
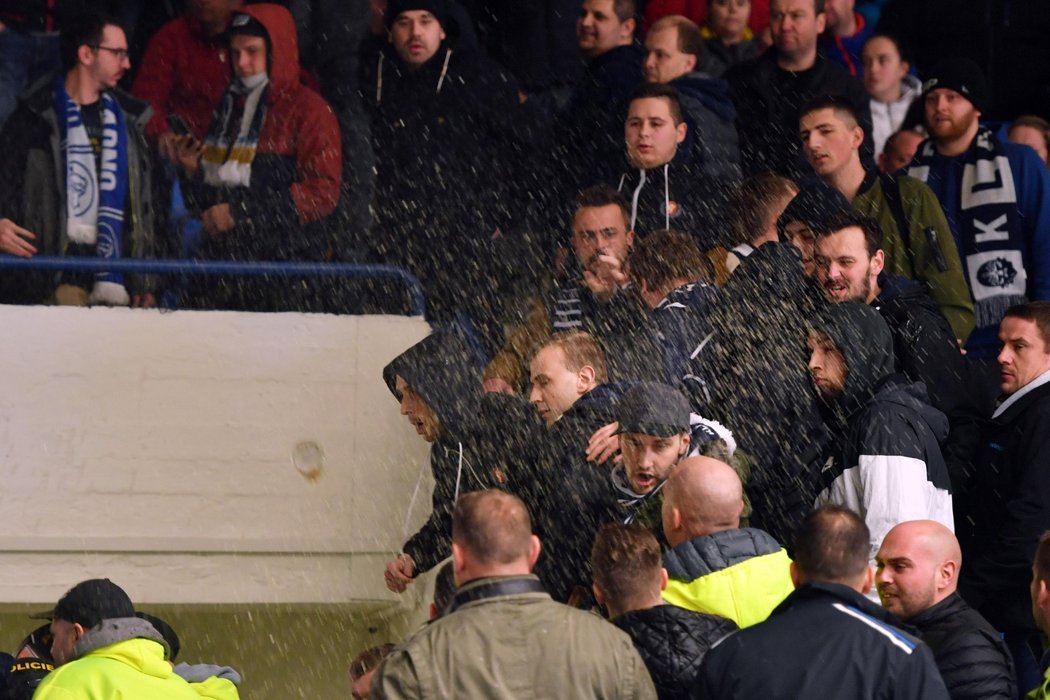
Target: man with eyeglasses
x,y
77,175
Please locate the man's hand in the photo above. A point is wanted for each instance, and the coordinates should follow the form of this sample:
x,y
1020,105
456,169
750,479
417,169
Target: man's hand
x,y
14,240
217,219
604,276
497,385
186,151
166,148
400,573
143,301
605,443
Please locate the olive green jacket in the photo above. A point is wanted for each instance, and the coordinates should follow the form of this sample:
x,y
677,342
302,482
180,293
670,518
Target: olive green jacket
x,y
517,645
929,257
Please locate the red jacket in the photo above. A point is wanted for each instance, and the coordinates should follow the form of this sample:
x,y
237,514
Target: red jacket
x,y
183,72
299,123
696,10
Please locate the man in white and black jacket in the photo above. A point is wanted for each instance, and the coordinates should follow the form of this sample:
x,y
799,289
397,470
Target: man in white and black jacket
x,y
826,640
886,461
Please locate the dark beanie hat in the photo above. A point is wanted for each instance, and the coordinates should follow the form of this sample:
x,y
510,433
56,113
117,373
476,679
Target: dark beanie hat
x,y
814,204
434,7
962,75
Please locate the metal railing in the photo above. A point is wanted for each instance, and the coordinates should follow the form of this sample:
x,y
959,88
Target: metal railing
x,y
416,299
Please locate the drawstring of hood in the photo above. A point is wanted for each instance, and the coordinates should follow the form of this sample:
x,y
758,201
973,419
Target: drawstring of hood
x,y
638,192
667,198
440,82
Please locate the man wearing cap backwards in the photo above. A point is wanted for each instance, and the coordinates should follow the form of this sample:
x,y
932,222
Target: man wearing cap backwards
x,y
104,651
995,194
444,124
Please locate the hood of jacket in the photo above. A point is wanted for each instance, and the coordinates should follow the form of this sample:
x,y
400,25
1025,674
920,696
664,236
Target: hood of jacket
x,y
283,66
898,390
712,93
813,205
446,375
864,339
773,274
131,640
39,98
707,554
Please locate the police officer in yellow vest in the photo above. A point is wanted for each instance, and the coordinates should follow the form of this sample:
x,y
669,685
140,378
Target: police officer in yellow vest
x,y
714,566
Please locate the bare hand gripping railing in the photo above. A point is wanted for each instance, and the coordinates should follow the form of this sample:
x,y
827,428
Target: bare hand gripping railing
x,y
417,302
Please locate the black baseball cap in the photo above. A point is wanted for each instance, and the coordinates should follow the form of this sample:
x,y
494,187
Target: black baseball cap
x,y
90,602
652,408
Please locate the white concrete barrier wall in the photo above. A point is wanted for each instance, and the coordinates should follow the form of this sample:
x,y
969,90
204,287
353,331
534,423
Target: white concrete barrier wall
x,y
157,449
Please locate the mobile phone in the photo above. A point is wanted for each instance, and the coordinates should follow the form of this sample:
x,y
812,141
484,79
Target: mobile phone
x,y
178,125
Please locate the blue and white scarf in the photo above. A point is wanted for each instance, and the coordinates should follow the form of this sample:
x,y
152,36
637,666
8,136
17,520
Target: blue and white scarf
x,y
95,205
993,242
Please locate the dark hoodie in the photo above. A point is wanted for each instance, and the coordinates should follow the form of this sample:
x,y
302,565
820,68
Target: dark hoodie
x,y
887,463
475,449
711,141
446,143
751,376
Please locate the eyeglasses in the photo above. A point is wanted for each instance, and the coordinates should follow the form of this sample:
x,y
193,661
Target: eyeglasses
x,y
121,54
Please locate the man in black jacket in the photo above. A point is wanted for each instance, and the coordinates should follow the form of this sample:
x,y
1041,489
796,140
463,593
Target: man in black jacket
x,y
571,393
916,575
666,188
1005,504
437,381
850,267
827,639
628,578
444,125
769,91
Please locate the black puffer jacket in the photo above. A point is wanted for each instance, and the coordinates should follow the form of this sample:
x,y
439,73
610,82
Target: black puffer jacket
x,y
672,642
974,662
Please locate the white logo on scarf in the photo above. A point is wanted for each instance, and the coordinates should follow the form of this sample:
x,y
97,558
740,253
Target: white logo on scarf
x,y
988,181
995,273
81,188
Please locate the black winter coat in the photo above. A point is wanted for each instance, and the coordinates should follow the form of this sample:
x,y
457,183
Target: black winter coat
x,y
1005,508
672,642
445,146
579,496
825,641
752,378
480,444
972,657
768,100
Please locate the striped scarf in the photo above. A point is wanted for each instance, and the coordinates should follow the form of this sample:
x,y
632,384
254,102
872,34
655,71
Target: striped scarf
x,y
227,158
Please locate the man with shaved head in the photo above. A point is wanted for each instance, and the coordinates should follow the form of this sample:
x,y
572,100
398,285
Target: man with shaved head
x,y
917,574
715,566
503,636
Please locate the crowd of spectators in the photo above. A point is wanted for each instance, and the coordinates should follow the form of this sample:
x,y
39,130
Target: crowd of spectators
x,y
693,269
